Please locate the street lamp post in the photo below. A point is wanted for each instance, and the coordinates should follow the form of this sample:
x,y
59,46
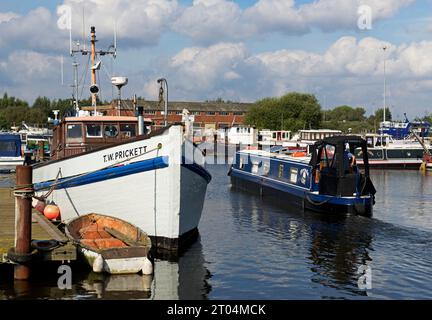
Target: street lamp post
x,y
385,83
164,81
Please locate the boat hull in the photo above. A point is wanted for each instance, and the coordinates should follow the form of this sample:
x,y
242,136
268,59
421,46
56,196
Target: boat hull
x,y
9,164
162,191
393,164
302,200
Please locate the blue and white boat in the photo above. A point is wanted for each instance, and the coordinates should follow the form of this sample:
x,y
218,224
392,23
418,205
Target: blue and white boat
x,y
326,180
402,130
11,153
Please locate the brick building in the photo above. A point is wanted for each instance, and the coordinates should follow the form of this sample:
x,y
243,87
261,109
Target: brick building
x,y
208,115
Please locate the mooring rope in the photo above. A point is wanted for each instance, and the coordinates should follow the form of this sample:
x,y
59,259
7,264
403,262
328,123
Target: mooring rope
x,y
24,191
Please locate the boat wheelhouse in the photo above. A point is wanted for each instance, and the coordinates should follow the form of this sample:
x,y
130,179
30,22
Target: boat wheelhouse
x,y
273,138
86,133
240,135
325,181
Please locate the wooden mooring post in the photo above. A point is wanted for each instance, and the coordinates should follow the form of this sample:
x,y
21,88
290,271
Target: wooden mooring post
x,y
23,218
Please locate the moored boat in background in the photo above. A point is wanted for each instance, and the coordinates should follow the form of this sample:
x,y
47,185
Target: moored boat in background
x,y
11,152
386,153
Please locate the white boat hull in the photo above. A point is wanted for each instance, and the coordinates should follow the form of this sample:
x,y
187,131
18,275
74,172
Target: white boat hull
x,y
8,164
117,266
165,202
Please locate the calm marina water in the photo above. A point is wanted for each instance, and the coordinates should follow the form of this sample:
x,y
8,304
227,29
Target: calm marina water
x,y
252,249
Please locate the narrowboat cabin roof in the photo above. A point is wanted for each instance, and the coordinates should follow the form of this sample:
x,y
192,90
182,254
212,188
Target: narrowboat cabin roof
x,y
276,155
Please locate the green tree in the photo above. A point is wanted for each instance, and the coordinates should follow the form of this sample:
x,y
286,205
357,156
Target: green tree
x,y
293,111
379,114
345,113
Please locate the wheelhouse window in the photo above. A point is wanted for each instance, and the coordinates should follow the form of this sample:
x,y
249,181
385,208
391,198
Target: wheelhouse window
x,y
111,131
94,131
128,130
74,133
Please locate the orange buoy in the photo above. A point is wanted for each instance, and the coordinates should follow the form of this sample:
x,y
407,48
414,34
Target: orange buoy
x,y
51,211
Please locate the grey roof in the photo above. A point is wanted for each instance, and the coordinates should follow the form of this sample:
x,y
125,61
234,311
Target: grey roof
x,y
190,106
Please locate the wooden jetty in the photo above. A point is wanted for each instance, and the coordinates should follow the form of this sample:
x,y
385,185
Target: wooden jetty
x,y
42,229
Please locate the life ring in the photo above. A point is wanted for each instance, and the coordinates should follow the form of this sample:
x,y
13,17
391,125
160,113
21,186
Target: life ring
x,y
20,258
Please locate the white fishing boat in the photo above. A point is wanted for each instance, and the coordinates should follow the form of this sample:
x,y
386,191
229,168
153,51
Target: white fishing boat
x,y
108,164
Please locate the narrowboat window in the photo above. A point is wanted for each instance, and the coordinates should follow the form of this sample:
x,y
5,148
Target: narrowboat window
x,y
128,130
74,131
241,165
281,169
111,131
293,175
94,131
266,168
255,167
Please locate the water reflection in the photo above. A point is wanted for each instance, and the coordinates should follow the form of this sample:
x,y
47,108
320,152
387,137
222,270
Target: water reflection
x,y
337,251
184,279
335,247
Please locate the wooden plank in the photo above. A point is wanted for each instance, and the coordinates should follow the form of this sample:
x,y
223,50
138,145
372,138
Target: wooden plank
x,y
42,229
49,227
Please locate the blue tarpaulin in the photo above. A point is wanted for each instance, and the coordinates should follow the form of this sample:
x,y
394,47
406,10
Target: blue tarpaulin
x,y
10,145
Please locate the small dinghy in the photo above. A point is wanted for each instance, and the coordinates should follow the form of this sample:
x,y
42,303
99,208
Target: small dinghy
x,y
111,245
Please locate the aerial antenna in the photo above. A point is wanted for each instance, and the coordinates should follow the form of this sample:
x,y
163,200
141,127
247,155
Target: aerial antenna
x,y
115,40
70,39
61,70
83,27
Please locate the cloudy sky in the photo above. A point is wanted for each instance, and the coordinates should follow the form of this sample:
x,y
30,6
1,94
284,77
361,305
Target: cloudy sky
x,y
238,50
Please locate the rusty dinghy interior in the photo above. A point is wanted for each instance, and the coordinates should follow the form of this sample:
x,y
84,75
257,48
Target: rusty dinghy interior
x,y
111,237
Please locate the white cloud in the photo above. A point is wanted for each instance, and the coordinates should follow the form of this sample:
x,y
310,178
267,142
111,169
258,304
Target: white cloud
x,y
28,74
34,31
7,16
350,71
138,22
215,20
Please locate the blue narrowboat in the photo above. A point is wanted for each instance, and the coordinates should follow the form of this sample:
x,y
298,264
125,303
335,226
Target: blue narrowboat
x,y
326,179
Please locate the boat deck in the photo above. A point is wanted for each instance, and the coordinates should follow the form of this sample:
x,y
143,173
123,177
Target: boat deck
x,y
42,229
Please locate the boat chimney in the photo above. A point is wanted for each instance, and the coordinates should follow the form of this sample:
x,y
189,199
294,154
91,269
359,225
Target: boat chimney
x,y
141,125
